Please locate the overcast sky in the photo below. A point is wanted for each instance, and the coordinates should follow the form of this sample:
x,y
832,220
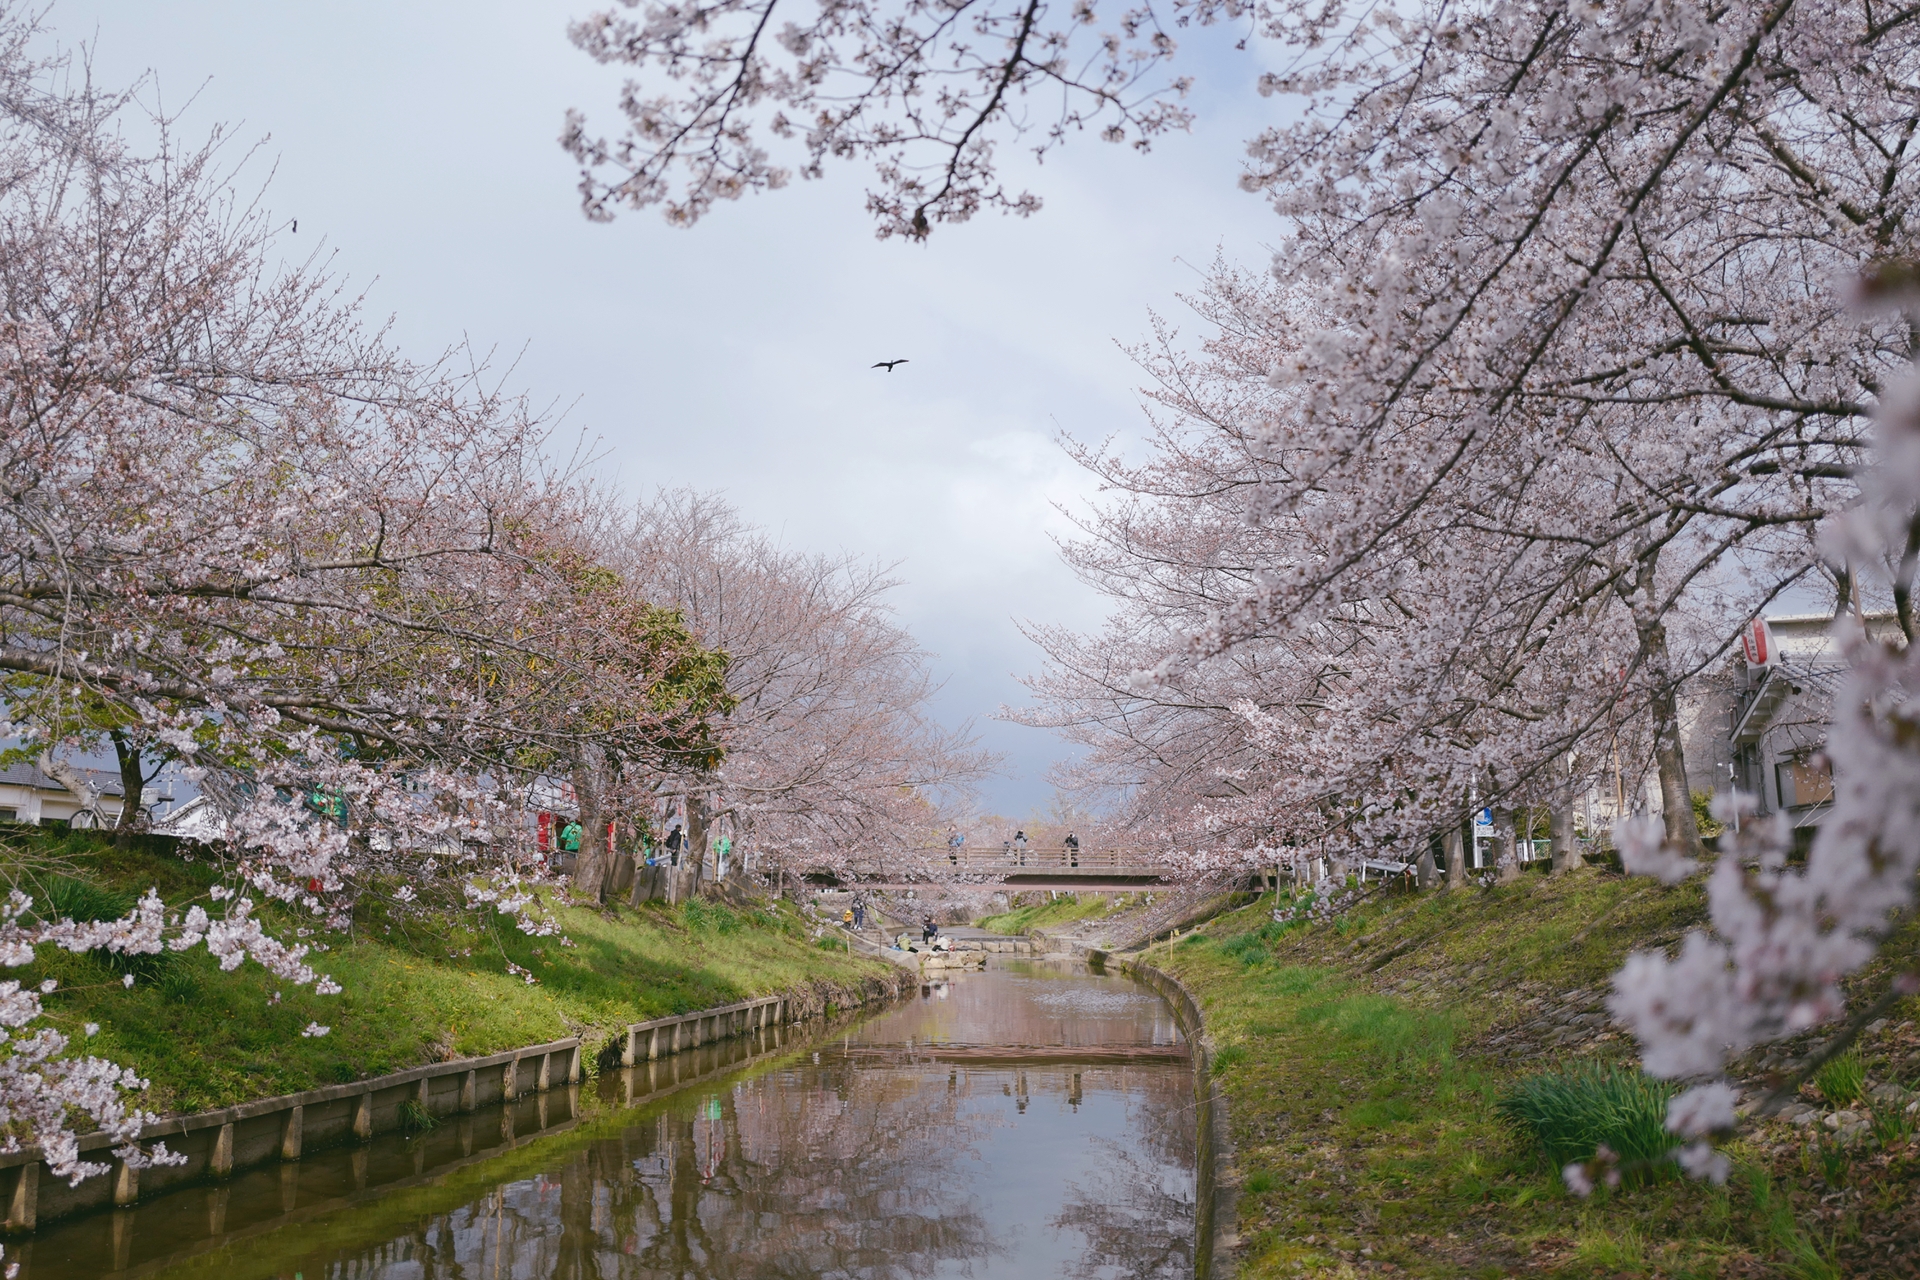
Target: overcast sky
x,y
418,139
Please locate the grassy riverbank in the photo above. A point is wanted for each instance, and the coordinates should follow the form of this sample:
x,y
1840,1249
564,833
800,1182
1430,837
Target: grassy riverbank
x,y
413,994
1056,910
1364,1061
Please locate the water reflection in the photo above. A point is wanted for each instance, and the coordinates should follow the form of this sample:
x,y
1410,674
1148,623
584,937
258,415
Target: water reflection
x,y
997,1126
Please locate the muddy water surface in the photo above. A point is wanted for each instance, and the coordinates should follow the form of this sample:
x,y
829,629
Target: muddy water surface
x,y
1030,1121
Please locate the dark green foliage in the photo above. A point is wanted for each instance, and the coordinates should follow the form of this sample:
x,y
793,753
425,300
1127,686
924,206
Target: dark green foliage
x,y
709,917
1843,1080
1571,1113
415,1118
57,897
180,986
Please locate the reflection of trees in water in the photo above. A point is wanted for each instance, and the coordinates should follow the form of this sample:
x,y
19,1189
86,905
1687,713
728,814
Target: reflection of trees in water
x,y
1136,1216
835,1170
801,1173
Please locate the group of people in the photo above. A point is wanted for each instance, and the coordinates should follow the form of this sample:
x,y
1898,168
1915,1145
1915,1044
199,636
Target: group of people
x,y
1014,848
855,916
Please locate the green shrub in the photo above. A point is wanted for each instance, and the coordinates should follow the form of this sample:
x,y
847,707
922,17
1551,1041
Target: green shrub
x,y
1259,1183
1247,948
415,1118
1228,1056
63,897
710,917
179,986
1842,1080
1571,1113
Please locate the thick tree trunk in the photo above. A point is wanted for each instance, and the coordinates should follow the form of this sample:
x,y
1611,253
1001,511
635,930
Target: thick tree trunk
x,y
133,784
697,823
1423,870
1676,798
1566,851
589,788
73,780
1506,838
1457,838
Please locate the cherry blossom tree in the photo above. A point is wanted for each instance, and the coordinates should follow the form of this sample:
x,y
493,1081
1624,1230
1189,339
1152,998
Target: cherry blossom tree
x,y
348,593
831,753
924,92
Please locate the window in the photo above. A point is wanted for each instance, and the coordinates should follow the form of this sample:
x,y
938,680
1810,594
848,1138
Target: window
x,y
1804,783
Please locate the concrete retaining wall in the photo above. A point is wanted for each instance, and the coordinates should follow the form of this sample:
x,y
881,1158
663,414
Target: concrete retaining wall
x,y
1215,1235
216,1143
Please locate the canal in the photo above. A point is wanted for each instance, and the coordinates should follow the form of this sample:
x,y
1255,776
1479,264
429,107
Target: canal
x,y
1034,1120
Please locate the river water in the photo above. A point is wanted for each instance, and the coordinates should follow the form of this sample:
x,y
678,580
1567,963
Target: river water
x,y
1029,1121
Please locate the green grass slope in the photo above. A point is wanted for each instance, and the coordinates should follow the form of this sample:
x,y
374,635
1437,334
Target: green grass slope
x,y
412,994
1364,1062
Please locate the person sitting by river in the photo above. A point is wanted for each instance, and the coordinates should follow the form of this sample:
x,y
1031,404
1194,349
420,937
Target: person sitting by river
x,y
929,930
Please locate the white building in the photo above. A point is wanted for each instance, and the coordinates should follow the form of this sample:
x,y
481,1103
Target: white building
x,y
30,796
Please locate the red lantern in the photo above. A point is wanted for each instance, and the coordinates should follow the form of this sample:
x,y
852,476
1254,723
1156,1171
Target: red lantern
x,y
314,885
1758,646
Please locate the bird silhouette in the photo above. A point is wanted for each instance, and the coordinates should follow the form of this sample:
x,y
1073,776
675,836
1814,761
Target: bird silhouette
x,y
888,364
296,224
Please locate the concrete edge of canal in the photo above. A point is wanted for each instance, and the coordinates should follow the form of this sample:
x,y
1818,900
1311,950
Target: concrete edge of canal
x,y
1216,1236
217,1144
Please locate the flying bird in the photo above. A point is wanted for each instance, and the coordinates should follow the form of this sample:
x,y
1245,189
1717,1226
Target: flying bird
x,y
296,224
888,364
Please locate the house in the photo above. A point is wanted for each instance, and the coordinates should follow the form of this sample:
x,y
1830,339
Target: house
x,y
1782,711
30,796
196,820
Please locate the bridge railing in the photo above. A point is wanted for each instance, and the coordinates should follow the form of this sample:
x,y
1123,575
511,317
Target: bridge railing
x,y
1009,857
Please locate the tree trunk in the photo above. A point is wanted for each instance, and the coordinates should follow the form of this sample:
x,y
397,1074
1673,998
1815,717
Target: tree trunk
x,y
133,783
1566,851
1423,870
1676,799
697,819
1506,839
73,780
1455,838
590,870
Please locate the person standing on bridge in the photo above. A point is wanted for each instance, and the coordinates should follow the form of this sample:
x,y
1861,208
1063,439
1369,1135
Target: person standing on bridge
x,y
954,842
1020,846
1072,844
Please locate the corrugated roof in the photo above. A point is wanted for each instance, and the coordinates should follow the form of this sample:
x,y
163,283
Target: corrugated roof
x,y
26,775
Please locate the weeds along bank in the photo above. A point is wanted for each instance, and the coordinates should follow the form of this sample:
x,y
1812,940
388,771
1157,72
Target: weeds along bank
x,y
412,994
1395,1079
